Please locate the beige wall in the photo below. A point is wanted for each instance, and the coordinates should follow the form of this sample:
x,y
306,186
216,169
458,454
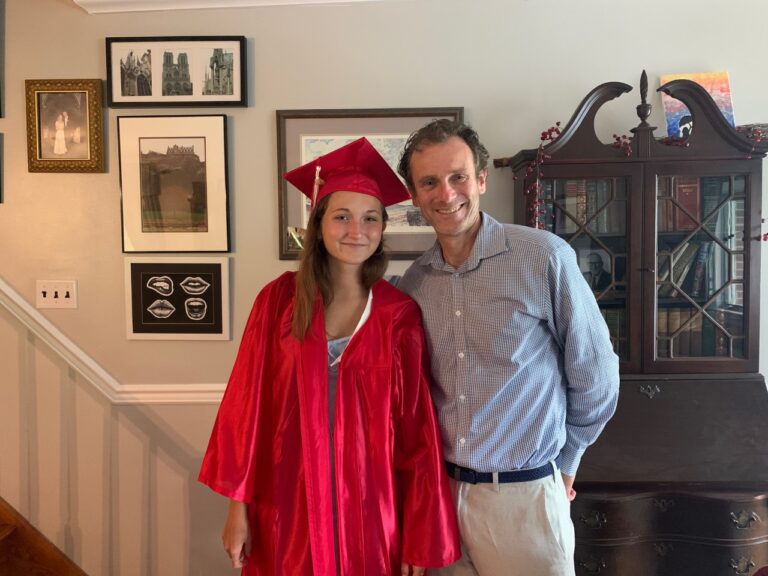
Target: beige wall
x,y
517,66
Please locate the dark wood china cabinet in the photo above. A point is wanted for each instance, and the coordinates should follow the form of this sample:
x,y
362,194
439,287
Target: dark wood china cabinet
x,y
667,232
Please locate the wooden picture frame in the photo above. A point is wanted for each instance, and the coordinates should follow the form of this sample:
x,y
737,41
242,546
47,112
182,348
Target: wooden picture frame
x,y
176,71
174,182
303,135
65,125
183,298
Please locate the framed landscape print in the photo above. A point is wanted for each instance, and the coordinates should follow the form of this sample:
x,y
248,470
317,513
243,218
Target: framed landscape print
x,y
182,298
176,71
303,135
173,176
65,126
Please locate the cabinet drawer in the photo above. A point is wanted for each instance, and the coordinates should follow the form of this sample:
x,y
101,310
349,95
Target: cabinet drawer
x,y
670,558
715,516
624,516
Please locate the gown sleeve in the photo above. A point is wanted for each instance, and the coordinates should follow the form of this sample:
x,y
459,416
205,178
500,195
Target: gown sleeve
x,y
430,535
229,463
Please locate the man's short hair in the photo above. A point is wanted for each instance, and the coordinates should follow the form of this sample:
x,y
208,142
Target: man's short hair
x,y
437,132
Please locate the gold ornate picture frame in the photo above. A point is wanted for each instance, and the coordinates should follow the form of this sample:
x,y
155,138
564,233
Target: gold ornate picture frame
x,y
65,130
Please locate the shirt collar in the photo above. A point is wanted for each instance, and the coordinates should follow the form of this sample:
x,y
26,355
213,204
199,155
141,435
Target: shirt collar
x,y
490,241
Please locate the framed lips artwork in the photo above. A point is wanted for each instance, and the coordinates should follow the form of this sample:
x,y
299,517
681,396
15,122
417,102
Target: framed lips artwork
x,y
183,298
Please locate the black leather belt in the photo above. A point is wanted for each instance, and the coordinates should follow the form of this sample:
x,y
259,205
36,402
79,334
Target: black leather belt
x,y
462,474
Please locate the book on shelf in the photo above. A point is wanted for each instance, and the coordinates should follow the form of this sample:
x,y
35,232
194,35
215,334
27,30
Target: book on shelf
x,y
722,342
695,330
572,212
662,333
684,337
614,319
699,269
687,194
682,264
714,189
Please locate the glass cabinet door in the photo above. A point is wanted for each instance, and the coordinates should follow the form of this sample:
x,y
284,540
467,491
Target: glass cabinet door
x,y
701,227
591,215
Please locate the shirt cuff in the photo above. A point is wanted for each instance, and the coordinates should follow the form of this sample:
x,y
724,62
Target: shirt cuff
x,y
570,458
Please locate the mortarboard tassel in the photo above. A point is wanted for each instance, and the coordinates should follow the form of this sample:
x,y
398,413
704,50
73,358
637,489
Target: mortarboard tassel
x,y
316,186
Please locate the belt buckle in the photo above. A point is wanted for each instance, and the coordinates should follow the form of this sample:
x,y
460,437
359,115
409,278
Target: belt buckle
x,y
469,476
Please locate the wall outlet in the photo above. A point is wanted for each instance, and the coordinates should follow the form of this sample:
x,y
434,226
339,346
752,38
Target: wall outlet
x,y
56,294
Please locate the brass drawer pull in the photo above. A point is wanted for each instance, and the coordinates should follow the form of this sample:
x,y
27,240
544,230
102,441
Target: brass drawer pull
x,y
744,520
742,566
594,521
592,565
650,390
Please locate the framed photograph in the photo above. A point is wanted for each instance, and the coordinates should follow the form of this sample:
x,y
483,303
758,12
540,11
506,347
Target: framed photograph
x,y
65,126
303,135
176,71
177,298
173,176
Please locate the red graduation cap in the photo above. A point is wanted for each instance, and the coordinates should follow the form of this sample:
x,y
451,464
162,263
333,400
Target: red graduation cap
x,y
355,167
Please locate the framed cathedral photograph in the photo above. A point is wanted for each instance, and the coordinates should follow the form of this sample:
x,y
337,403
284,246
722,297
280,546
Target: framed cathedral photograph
x,y
303,135
173,177
176,71
65,125
184,298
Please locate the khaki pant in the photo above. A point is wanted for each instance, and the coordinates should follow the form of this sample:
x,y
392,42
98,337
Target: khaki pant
x,y
520,528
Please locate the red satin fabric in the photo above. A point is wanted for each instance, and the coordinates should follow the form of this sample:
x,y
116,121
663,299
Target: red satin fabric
x,y
270,444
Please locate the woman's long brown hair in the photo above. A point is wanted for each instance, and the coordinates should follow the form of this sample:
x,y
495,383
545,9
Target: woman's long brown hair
x,y
314,273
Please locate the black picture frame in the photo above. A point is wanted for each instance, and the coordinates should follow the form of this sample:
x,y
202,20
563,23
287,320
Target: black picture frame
x,y
182,298
158,71
305,134
174,182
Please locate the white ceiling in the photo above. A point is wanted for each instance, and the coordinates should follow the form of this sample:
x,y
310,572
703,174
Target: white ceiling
x,y
108,6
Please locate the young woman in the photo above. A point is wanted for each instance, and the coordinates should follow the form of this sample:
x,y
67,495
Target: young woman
x,y
326,440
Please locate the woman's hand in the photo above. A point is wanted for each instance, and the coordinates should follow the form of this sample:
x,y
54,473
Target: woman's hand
x,y
236,536
408,570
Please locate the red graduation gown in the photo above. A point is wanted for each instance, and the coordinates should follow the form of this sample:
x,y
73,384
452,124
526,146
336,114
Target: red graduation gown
x,y
270,444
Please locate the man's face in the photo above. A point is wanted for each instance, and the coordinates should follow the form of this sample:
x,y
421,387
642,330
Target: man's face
x,y
595,264
447,189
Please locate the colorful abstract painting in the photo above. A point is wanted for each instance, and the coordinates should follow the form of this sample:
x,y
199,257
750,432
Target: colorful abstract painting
x,y
679,120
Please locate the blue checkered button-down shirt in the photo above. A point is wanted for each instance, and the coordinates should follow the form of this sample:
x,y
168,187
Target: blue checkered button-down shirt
x,y
523,366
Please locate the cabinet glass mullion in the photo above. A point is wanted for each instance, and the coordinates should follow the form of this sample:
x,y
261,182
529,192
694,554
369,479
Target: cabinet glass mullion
x,y
700,257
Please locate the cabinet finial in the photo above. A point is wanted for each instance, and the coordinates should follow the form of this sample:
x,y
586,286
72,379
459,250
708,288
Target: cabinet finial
x,y
643,109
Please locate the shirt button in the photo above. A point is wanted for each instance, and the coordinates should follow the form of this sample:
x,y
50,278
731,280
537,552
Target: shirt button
x,y
461,354
462,398
462,441
458,312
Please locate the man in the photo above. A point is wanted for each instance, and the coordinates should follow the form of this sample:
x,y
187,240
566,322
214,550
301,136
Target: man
x,y
597,277
525,377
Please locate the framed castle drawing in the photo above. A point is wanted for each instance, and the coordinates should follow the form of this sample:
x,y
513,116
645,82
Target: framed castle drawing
x,y
173,176
176,71
65,125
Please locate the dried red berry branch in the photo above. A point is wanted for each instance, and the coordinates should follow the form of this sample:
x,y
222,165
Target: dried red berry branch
x,y
756,134
534,189
623,143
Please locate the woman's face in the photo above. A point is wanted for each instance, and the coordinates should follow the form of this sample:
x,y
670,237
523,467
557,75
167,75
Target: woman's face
x,y
351,227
